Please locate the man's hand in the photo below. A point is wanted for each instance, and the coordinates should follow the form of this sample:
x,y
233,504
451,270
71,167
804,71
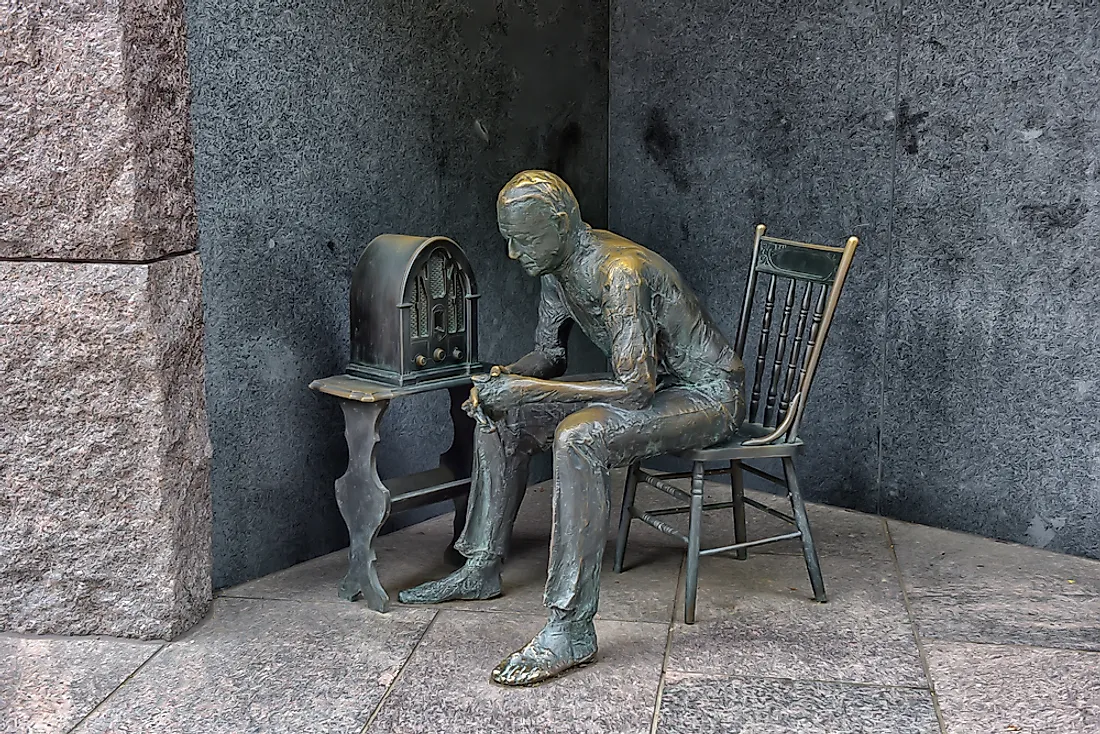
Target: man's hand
x,y
472,406
475,405
497,391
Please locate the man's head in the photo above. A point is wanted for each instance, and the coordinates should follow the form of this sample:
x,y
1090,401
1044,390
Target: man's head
x,y
538,214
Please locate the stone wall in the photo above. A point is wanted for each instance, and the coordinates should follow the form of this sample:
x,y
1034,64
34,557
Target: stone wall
x,y
319,125
960,142
104,500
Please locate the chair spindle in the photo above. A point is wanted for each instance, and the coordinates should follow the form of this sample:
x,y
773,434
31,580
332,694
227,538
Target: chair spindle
x,y
762,349
815,329
796,352
780,354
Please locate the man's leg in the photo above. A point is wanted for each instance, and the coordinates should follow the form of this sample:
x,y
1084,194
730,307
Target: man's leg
x,y
586,445
498,481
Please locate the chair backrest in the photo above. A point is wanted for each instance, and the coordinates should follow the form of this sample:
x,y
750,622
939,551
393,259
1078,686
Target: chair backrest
x,y
808,279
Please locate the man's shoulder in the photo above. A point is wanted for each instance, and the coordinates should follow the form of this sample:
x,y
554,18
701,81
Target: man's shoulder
x,y
613,242
625,260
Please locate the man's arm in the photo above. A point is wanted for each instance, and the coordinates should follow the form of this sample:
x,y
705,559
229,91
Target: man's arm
x,y
548,360
626,309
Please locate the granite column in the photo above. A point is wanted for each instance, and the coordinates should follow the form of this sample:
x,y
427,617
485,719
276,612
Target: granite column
x,y
104,455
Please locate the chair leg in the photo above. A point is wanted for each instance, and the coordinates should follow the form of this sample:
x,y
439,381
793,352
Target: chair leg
x,y
625,517
737,481
813,567
695,533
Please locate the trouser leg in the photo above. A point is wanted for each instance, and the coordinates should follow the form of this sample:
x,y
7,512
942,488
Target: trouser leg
x,y
496,486
502,458
586,445
582,497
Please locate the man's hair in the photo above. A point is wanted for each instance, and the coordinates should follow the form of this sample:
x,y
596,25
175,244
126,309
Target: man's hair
x,y
544,187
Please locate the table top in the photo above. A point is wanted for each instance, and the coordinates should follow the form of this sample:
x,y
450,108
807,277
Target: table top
x,y
367,391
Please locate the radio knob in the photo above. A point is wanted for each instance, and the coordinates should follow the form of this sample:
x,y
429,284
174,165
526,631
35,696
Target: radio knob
x,y
457,354
421,360
439,354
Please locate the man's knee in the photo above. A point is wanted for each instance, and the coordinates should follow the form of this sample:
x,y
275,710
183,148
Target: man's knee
x,y
584,432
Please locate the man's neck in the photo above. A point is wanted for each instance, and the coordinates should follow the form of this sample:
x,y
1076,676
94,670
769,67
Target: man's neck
x,y
572,269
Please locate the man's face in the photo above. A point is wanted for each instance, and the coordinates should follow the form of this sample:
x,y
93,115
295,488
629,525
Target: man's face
x,y
535,235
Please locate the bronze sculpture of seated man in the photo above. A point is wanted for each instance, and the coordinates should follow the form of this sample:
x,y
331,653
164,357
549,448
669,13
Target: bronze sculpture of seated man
x,y
677,383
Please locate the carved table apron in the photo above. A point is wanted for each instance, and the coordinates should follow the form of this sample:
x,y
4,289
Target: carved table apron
x,y
365,501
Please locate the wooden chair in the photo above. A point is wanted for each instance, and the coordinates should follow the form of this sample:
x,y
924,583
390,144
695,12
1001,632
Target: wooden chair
x,y
808,278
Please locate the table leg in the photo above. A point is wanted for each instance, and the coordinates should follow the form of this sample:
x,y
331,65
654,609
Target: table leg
x,y
459,458
364,502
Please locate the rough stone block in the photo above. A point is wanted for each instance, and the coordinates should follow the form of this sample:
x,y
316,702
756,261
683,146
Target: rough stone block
x,y
104,498
95,152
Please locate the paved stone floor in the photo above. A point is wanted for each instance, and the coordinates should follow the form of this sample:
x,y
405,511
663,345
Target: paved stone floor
x,y
926,631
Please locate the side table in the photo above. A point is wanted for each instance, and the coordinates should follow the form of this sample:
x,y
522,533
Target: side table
x,y
365,500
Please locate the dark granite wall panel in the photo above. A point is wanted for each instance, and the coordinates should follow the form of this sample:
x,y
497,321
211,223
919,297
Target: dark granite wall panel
x,y
992,423
971,176
738,113
319,125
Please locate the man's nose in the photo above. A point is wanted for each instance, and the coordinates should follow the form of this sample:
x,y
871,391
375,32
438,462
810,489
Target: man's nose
x,y
512,253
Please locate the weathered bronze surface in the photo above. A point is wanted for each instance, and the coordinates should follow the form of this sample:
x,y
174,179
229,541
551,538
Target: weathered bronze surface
x,y
677,383
413,311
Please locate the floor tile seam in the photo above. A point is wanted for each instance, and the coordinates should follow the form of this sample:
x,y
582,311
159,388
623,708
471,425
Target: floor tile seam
x,y
822,554
117,688
915,628
332,602
787,679
930,639
336,602
397,676
542,615
441,608
53,637
656,719
922,592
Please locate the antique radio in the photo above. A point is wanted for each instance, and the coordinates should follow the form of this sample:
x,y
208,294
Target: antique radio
x,y
413,311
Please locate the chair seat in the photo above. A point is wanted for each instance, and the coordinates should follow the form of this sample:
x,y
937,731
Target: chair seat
x,y
734,450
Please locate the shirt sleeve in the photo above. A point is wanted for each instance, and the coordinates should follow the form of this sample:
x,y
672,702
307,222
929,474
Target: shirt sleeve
x,y
627,307
552,331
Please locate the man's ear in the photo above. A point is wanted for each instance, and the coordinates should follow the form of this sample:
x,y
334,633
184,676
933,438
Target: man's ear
x,y
561,221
